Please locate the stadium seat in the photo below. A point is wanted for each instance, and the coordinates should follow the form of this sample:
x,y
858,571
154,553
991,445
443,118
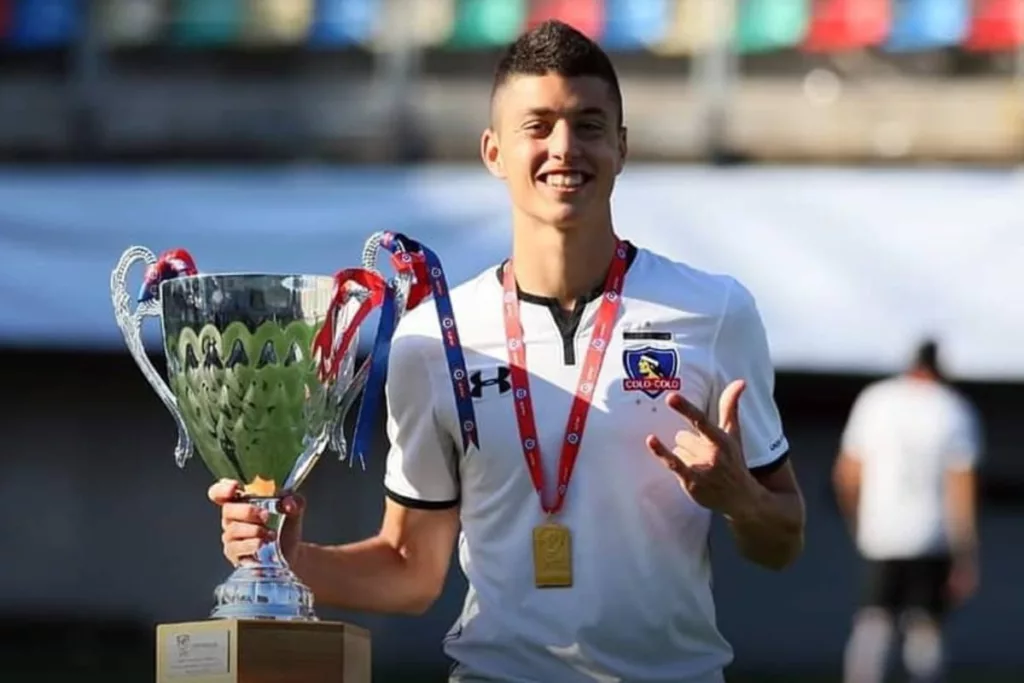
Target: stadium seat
x,y
487,23
634,24
130,22
45,23
919,25
276,22
343,23
416,23
586,16
996,26
838,25
768,25
207,23
694,26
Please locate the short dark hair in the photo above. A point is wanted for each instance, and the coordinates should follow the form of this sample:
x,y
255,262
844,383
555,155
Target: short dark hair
x,y
557,47
926,357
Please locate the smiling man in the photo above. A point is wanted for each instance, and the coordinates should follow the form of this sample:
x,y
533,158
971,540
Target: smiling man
x,y
621,399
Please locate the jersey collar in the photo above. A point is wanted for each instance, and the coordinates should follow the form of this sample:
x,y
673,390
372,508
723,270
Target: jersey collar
x,y
552,302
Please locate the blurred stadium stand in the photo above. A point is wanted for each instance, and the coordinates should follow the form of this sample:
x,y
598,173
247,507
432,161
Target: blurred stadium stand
x,y
821,80
848,265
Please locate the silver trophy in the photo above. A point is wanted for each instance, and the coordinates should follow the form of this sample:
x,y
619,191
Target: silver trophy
x,y
259,383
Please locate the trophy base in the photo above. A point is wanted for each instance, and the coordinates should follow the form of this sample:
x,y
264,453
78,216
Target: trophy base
x,y
263,590
259,651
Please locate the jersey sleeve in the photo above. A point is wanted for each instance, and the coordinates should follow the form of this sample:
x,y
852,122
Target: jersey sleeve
x,y
421,470
964,442
741,352
854,432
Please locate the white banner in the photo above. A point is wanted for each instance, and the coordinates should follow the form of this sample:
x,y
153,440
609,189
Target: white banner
x,y
850,267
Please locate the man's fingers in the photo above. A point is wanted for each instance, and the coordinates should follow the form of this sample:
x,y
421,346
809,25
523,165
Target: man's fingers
x,y
239,549
695,416
223,491
243,512
729,406
293,504
690,441
240,531
662,451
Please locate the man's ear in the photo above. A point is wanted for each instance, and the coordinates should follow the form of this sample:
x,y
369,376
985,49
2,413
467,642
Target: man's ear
x,y
490,152
623,150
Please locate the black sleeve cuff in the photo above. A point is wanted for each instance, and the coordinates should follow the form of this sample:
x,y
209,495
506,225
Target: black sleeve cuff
x,y
416,504
762,470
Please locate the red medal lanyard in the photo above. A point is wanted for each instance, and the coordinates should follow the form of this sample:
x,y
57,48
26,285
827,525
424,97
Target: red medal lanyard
x,y
599,339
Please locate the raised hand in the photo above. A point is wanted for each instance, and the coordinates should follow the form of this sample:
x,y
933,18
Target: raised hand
x,y
708,457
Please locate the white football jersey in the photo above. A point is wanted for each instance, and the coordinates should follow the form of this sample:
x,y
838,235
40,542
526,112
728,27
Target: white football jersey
x,y
907,434
640,607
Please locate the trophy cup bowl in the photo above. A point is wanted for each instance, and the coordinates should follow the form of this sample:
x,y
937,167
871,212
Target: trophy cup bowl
x,y
246,387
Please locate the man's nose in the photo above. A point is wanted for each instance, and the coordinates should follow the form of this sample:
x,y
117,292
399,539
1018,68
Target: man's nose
x,y
562,141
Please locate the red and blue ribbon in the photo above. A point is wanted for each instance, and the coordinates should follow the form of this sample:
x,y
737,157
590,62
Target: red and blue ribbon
x,y
331,355
169,265
430,280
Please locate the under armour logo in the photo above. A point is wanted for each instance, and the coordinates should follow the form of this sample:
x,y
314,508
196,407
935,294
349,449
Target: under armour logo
x,y
501,381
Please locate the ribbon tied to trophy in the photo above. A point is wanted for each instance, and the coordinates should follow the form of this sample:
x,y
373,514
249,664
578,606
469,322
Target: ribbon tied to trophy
x,y
261,372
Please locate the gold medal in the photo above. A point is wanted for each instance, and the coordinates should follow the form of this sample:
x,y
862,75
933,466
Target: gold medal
x,y
552,543
552,556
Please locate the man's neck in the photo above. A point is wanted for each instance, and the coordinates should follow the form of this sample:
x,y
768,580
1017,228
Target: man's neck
x,y
562,264
922,374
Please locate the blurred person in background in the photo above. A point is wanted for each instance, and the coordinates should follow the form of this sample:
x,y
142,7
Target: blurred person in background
x,y
623,590
905,482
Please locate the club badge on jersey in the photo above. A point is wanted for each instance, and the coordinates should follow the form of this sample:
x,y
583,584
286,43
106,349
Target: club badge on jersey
x,y
651,370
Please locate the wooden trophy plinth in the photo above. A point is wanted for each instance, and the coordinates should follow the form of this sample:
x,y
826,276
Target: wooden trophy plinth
x,y
262,651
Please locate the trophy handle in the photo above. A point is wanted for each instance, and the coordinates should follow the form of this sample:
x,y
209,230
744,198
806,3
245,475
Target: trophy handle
x,y
335,347
401,285
130,323
346,394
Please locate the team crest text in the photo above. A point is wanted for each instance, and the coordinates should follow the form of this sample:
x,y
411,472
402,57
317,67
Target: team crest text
x,y
651,370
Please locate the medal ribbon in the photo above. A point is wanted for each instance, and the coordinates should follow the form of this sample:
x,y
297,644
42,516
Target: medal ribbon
x,y
603,325
430,279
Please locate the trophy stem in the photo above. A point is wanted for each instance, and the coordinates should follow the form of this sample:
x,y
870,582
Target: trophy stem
x,y
264,586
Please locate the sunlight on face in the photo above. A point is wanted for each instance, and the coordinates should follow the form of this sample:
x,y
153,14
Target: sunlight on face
x,y
558,145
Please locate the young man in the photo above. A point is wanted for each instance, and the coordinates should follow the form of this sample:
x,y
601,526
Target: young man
x,y
581,349
905,482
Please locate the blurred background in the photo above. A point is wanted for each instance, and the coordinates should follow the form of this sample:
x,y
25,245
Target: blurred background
x,y
854,162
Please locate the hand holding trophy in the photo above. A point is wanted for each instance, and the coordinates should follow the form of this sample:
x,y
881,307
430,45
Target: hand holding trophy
x,y
261,371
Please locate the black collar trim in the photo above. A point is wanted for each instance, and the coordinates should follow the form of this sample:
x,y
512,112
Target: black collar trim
x,y
552,302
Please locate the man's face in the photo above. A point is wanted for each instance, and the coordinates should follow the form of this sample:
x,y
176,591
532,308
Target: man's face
x,y
558,145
